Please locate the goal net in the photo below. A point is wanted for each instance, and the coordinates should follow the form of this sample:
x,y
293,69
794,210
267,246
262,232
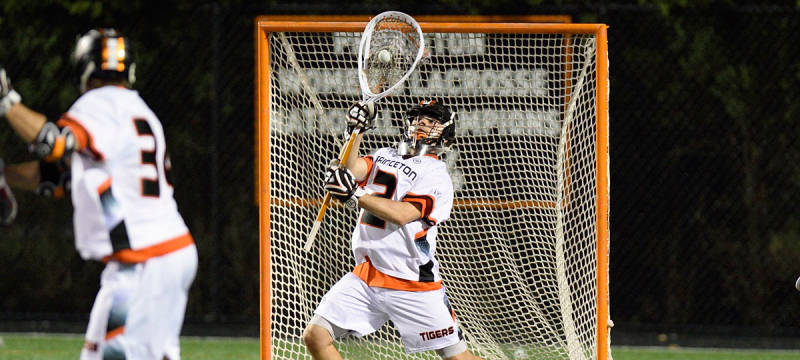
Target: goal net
x,y
524,256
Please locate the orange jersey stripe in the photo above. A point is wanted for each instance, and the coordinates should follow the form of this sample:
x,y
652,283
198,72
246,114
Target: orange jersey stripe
x,y
115,332
104,186
370,161
426,204
130,256
82,136
372,277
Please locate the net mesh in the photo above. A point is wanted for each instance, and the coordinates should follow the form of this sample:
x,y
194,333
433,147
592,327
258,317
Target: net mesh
x,y
518,254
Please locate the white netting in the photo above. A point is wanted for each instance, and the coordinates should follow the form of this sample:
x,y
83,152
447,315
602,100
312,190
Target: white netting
x,y
518,254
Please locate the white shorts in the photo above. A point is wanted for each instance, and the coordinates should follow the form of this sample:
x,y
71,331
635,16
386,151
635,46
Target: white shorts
x,y
107,319
155,316
423,318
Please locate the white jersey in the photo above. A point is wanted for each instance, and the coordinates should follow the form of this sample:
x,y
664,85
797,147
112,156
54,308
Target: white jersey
x,y
405,252
121,195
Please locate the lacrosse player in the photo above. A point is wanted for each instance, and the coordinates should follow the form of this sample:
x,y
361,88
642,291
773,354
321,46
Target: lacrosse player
x,y
404,194
125,214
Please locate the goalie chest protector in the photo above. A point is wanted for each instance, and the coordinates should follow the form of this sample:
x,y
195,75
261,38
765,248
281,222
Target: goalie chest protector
x,y
404,251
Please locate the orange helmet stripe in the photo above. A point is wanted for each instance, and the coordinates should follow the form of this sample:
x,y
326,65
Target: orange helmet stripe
x,y
113,53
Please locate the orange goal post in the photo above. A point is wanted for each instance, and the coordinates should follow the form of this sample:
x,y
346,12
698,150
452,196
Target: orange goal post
x,y
525,253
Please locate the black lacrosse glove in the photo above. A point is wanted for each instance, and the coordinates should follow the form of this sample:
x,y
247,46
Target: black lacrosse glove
x,y
341,183
55,179
361,116
8,205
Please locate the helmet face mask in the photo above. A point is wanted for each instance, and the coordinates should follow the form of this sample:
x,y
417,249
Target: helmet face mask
x,y
105,55
430,129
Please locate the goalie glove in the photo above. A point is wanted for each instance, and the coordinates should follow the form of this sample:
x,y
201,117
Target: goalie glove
x,y
55,179
340,182
8,96
8,205
361,116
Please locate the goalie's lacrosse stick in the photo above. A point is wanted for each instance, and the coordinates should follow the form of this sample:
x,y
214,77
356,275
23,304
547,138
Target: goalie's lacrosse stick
x,y
391,47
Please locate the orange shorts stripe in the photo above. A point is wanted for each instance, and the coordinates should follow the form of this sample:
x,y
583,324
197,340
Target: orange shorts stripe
x,y
374,278
130,256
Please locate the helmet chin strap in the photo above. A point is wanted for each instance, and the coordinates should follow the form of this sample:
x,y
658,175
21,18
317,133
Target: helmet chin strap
x,y
132,74
415,148
402,148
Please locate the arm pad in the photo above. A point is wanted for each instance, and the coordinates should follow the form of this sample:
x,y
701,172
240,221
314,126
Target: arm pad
x,y
53,143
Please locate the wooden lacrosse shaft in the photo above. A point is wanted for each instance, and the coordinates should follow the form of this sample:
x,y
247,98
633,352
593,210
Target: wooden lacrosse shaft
x,y
345,153
326,202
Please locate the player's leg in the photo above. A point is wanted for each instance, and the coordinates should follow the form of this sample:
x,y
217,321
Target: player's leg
x,y
318,337
463,355
426,322
98,320
348,308
173,350
157,309
104,339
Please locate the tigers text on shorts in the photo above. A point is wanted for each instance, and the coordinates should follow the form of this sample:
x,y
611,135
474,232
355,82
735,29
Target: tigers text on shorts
x,y
423,318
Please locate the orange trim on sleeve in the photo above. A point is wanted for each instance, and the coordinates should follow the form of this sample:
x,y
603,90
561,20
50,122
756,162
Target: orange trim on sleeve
x,y
422,203
426,202
374,278
370,162
130,256
82,136
115,332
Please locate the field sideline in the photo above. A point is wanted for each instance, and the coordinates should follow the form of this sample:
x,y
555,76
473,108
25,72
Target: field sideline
x,y
35,346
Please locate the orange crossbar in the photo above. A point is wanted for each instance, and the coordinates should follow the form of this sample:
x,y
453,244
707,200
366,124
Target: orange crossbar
x,y
435,27
564,19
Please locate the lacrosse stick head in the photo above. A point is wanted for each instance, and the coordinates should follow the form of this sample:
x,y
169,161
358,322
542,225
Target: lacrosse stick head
x,y
391,47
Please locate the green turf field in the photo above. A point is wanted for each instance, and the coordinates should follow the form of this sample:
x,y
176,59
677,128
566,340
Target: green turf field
x,y
57,347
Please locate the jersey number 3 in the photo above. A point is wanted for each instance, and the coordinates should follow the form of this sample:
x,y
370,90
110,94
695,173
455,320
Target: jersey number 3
x,y
389,182
151,187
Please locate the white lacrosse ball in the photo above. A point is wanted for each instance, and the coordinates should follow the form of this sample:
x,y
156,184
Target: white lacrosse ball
x,y
385,56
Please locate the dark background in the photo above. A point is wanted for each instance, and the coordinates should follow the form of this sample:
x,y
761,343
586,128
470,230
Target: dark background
x,y
705,162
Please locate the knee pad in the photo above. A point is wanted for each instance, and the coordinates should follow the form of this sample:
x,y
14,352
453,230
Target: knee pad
x,y
452,350
335,331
